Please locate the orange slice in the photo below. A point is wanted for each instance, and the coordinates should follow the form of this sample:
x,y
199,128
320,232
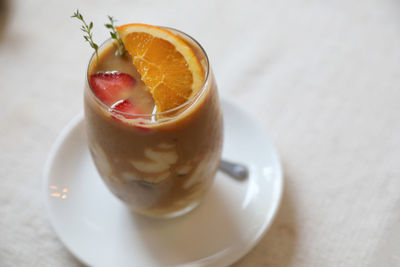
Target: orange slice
x,y
167,64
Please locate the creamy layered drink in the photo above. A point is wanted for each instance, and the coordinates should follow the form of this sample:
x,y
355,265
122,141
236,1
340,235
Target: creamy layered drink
x,y
153,119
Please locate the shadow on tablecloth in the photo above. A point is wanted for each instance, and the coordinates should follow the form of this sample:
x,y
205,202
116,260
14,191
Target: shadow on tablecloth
x,y
74,261
4,16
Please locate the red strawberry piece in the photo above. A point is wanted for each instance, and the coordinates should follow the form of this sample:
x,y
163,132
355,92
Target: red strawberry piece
x,y
126,106
110,87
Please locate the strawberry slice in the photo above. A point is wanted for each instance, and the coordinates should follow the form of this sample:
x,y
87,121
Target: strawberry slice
x,y
128,107
111,87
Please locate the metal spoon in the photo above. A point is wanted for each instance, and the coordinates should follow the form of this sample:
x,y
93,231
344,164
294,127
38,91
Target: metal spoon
x,y
233,169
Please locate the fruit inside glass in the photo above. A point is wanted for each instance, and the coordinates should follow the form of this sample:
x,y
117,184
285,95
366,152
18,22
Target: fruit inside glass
x,y
158,161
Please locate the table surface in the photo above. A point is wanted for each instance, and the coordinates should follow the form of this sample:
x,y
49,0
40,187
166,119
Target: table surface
x,y
322,78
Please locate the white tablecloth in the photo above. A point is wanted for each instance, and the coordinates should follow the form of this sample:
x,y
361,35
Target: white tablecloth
x,y
322,77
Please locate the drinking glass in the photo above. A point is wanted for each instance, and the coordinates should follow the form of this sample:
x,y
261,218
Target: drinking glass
x,y
161,164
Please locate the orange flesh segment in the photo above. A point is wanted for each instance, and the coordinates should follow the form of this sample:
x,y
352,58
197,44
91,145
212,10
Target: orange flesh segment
x,y
168,66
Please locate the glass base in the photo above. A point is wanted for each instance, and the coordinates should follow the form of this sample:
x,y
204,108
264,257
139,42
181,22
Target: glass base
x,y
169,215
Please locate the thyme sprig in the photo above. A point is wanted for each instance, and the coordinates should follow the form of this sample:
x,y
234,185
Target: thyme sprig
x,y
87,29
114,35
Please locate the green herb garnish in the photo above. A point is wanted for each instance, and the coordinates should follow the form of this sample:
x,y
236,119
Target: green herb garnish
x,y
88,30
114,35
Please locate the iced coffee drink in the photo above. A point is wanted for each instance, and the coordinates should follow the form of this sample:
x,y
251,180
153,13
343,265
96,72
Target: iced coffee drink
x,y
153,120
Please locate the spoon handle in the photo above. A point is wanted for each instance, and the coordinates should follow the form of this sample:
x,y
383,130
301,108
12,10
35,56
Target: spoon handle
x,y
235,170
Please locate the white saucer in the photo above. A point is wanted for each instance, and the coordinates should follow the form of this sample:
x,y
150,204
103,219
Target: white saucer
x,y
98,229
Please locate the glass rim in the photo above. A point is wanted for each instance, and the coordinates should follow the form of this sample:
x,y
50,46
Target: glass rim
x,y
169,111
